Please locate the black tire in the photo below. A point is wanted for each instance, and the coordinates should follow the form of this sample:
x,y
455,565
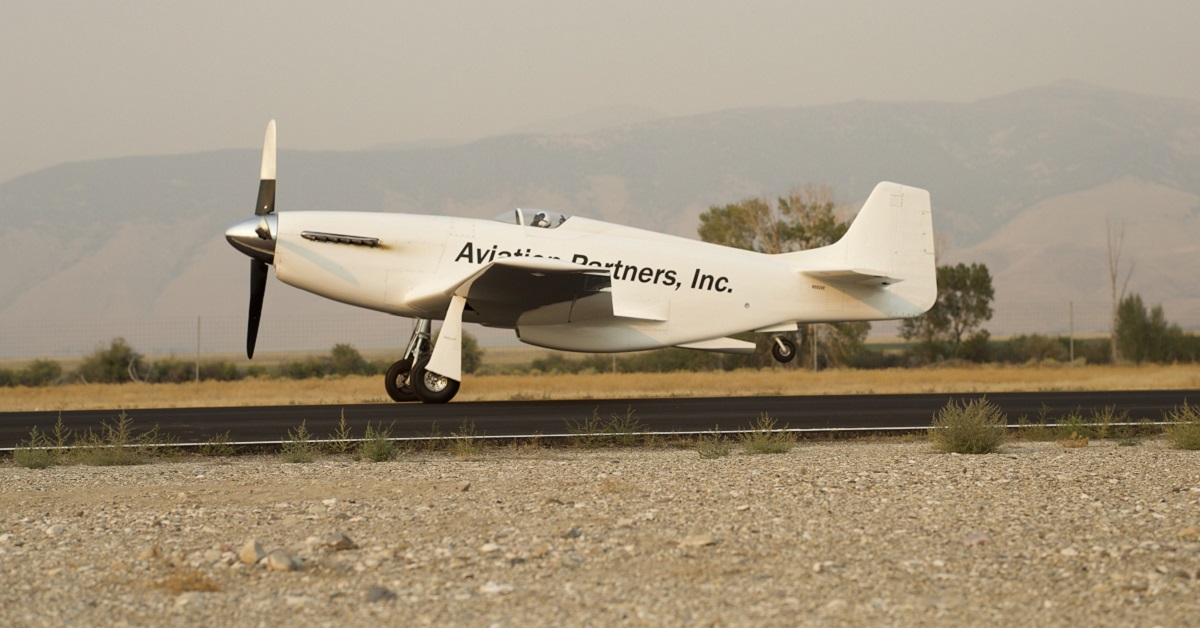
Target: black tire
x,y
783,354
396,381
431,387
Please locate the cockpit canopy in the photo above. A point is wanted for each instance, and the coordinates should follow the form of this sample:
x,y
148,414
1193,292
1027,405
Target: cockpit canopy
x,y
541,218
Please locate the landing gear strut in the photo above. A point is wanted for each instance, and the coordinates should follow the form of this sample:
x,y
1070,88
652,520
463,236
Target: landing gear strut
x,y
407,379
782,349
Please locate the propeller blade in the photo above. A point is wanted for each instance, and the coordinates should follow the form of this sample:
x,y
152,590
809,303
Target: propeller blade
x,y
258,287
266,187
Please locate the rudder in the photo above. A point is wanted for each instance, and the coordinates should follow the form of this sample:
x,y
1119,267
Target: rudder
x,y
889,245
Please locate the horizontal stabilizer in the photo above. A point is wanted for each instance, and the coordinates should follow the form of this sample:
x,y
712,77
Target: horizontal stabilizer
x,y
722,345
864,276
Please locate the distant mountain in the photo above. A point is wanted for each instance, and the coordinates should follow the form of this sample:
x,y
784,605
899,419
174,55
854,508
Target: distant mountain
x,y
593,121
1021,182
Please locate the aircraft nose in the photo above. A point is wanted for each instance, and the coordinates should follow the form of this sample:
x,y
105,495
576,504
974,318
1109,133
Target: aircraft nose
x,y
255,236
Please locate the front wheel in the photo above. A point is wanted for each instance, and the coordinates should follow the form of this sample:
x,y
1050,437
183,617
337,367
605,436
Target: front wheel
x,y
431,387
396,381
783,350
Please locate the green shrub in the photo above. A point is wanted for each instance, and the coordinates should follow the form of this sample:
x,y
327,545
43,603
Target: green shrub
x,y
340,440
40,373
1037,430
32,458
1073,425
258,371
344,359
466,442
175,371
588,432
116,444
713,445
1184,433
220,371
1103,421
377,445
556,363
308,368
765,438
35,453
219,446
172,371
625,429
620,429
299,448
37,373
969,427
977,347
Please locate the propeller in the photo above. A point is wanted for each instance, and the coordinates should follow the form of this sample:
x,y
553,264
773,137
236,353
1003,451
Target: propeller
x,y
258,287
256,237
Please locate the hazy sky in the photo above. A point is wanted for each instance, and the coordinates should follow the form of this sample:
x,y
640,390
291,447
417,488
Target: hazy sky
x,y
85,79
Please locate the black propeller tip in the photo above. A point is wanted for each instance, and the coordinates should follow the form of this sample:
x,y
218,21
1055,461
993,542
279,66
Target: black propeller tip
x,y
258,287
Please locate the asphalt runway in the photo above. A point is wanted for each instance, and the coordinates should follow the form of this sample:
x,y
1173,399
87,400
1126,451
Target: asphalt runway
x,y
519,418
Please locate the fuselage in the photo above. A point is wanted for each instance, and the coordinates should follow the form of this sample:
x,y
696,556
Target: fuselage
x,y
699,290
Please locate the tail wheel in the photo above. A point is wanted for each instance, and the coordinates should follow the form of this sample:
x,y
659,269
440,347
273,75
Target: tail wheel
x,y
783,350
396,381
431,387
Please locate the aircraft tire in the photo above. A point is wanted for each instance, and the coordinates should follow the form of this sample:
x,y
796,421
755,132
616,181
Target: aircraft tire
x,y
783,354
431,387
396,381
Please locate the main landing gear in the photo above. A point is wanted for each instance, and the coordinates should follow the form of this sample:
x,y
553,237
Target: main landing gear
x,y
782,349
408,380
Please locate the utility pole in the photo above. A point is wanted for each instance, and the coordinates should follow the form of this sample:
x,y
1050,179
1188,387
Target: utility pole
x,y
1071,315
197,349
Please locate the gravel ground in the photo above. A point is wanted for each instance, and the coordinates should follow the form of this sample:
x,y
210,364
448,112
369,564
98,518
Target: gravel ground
x,y
828,534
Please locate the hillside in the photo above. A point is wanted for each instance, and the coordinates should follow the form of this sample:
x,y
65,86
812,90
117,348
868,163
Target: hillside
x,y
1023,182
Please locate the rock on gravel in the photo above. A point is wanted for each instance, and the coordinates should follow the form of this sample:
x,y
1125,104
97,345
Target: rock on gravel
x,y
252,552
830,533
280,560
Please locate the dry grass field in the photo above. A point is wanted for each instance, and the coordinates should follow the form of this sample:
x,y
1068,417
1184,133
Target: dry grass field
x,y
350,390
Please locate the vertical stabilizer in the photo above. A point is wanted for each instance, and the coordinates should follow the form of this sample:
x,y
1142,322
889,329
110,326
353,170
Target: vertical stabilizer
x,y
889,246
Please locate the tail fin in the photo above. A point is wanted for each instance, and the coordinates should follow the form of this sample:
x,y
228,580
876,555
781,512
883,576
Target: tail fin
x,y
889,246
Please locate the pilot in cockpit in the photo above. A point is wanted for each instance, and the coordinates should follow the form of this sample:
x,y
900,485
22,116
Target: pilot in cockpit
x,y
539,220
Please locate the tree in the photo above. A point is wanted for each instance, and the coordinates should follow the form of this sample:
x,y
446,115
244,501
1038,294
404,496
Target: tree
x,y
964,303
837,343
1115,244
804,219
1146,336
118,363
472,355
346,360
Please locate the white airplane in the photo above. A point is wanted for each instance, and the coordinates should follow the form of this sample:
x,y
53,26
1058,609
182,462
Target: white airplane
x,y
574,284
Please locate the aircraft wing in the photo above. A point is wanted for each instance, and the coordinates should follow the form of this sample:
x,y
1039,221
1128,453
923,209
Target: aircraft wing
x,y
498,293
